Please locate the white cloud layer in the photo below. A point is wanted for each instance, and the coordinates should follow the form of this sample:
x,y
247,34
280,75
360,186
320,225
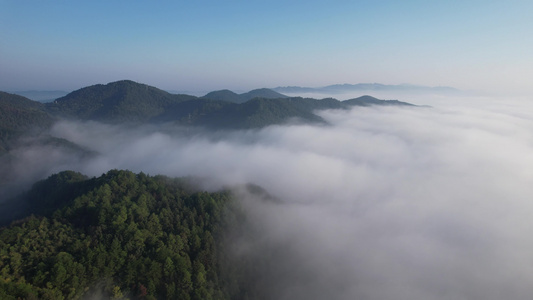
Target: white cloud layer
x,y
386,203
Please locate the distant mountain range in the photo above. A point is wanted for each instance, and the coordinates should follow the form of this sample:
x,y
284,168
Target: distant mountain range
x,y
346,88
135,103
128,101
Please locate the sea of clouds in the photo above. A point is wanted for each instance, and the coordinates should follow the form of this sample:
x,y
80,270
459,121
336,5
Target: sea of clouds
x,y
430,202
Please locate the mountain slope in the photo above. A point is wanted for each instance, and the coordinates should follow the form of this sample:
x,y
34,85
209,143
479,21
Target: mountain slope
x,y
121,234
121,101
229,96
18,115
369,100
261,112
256,113
262,93
223,95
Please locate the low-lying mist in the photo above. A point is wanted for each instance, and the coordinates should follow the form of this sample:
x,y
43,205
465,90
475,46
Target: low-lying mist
x,y
384,203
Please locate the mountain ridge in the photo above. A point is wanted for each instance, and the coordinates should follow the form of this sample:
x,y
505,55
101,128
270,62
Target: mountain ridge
x,y
344,88
227,95
127,101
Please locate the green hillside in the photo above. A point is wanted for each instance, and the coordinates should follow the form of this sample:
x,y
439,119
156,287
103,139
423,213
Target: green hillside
x,y
369,100
261,112
121,101
229,96
121,235
19,115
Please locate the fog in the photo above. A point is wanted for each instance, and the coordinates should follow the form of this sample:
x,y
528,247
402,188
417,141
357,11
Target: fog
x,y
383,203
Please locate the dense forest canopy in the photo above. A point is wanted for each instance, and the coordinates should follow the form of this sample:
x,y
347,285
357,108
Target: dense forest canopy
x,y
19,115
121,235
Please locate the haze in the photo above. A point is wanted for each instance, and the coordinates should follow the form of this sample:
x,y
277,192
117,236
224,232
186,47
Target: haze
x,y
210,45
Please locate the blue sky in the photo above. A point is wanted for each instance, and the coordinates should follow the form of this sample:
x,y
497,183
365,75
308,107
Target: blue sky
x,y
241,45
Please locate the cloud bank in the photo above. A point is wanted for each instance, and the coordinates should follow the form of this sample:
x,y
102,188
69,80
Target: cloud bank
x,y
386,203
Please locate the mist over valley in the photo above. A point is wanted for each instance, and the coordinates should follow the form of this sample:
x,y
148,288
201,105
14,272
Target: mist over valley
x,y
357,199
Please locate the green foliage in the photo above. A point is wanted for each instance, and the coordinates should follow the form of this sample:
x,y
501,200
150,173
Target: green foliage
x,y
122,235
46,195
19,115
260,112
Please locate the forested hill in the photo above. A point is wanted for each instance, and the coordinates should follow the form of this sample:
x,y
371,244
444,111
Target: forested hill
x,y
227,95
118,101
118,235
130,102
19,115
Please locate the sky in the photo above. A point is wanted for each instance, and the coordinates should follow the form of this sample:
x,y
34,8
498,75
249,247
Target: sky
x,y
241,45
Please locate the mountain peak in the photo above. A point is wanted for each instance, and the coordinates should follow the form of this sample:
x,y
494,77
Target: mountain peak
x,y
123,100
222,95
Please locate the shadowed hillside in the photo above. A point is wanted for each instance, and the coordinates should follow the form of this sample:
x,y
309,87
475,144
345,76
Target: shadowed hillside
x,y
229,96
118,235
134,103
121,101
18,115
